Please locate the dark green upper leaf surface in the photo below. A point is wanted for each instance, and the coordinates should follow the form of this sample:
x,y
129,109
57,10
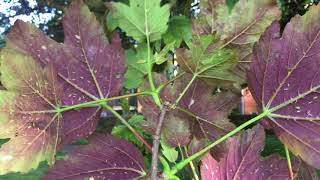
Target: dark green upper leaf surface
x,y
179,30
239,28
123,132
204,61
285,80
243,160
88,66
137,67
141,15
105,157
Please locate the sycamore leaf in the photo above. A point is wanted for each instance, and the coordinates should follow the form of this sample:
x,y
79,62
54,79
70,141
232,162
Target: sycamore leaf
x,y
204,61
170,153
239,28
179,30
32,175
40,76
105,157
209,111
163,55
205,23
88,66
307,172
123,132
141,18
285,82
137,67
243,160
27,113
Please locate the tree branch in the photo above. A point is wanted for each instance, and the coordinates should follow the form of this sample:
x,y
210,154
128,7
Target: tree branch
x,y
156,142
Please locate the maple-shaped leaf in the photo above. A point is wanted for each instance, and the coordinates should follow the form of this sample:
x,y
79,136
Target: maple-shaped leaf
x,y
307,172
123,132
211,111
239,28
28,118
88,66
137,67
204,61
176,127
205,23
179,30
285,82
243,160
141,18
198,104
105,157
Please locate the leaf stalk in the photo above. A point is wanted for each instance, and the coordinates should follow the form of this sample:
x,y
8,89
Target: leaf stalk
x,y
182,164
97,102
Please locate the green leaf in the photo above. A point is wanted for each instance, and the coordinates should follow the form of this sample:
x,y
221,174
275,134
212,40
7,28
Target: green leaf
x,y
137,67
142,18
273,145
35,174
112,23
123,132
170,153
179,30
204,61
162,56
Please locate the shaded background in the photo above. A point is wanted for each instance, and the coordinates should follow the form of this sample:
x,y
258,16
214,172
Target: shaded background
x,y
47,15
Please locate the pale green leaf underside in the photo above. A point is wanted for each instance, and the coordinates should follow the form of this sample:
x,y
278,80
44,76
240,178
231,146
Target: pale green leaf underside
x,y
142,18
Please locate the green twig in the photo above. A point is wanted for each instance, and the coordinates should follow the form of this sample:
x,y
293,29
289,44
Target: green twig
x,y
195,175
185,89
155,95
182,164
159,88
289,162
115,113
97,102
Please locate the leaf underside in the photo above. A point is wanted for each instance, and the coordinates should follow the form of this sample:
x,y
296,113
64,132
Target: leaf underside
x,y
243,161
198,106
285,80
40,76
104,157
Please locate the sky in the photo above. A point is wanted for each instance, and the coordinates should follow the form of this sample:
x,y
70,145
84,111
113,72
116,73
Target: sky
x,y
5,8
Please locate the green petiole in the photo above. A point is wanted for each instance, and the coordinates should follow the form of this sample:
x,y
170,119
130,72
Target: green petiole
x,y
185,162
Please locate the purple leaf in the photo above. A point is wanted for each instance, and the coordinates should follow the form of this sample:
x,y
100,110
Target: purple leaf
x,y
105,157
29,99
198,105
88,66
243,161
211,111
40,76
307,172
285,82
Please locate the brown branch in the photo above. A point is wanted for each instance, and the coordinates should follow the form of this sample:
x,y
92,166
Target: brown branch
x,y
156,142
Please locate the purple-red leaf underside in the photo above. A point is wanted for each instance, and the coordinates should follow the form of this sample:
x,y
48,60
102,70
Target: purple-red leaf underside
x,y
243,161
285,80
88,66
105,157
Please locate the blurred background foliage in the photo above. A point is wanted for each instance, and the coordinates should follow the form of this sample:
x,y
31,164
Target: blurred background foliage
x,y
47,15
